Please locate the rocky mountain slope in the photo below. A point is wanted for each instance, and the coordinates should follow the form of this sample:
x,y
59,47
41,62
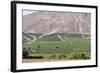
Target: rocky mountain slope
x,y
64,22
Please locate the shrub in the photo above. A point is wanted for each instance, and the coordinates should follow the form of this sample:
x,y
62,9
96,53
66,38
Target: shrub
x,y
57,47
75,55
62,56
57,57
52,57
25,53
38,46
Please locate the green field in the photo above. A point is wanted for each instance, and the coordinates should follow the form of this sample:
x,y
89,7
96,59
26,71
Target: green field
x,y
73,46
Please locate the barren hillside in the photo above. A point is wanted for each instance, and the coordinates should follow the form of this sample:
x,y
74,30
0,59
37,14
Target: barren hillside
x,y
65,22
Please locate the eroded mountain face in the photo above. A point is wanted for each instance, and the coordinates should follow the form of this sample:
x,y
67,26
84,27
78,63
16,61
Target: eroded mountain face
x,y
64,22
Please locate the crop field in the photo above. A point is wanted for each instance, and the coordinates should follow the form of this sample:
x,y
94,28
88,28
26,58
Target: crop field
x,y
58,46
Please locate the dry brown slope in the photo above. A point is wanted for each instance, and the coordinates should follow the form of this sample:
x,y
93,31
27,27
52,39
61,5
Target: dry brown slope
x,y
45,21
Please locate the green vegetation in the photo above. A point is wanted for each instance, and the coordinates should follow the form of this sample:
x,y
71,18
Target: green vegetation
x,y
51,47
25,53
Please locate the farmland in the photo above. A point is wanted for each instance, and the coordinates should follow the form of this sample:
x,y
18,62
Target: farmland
x,y
70,47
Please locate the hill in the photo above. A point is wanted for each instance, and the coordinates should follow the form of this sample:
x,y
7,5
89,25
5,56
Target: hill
x,y
46,21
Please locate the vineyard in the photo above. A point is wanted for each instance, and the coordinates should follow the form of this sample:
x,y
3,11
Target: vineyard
x,y
57,46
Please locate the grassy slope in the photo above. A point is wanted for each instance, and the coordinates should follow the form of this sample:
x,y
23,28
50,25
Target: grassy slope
x,y
59,47
72,47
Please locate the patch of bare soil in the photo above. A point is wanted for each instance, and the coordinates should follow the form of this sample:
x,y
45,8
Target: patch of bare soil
x,y
41,60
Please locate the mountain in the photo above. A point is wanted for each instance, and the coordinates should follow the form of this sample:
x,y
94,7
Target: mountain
x,y
65,22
